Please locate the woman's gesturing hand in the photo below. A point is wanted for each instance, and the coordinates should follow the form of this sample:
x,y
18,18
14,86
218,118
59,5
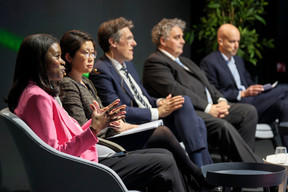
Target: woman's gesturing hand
x,y
107,116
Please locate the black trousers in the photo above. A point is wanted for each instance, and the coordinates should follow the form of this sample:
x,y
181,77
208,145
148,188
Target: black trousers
x,y
162,137
235,134
152,168
271,105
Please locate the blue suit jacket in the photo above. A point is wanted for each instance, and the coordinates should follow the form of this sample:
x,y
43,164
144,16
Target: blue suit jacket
x,y
110,86
219,74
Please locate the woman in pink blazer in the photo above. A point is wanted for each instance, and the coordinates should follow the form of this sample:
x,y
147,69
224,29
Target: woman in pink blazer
x,y
34,98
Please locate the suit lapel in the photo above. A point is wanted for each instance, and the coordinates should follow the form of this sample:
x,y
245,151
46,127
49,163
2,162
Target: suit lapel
x,y
135,76
196,72
118,78
177,67
192,69
224,65
239,68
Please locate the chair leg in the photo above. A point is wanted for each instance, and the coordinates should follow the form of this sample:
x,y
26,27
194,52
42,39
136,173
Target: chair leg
x,y
277,139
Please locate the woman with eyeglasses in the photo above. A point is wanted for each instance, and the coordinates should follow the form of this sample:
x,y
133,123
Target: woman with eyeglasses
x,y
78,51
33,98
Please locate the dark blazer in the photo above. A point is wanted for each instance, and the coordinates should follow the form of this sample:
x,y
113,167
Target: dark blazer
x,y
270,104
77,98
162,75
111,86
175,80
220,76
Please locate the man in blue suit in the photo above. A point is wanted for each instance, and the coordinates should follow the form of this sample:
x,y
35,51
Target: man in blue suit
x,y
227,72
116,77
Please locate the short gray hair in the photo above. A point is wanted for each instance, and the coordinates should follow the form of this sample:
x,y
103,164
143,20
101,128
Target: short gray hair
x,y
163,28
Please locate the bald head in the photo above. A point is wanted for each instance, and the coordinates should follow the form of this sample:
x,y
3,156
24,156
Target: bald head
x,y
228,37
226,29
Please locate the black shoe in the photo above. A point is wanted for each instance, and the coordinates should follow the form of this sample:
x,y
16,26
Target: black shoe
x,y
202,181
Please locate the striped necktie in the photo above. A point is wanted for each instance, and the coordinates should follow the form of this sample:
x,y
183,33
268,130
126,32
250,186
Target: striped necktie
x,y
136,93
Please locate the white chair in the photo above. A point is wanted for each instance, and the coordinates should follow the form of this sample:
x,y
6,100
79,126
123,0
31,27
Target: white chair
x,y
269,131
51,170
264,131
267,138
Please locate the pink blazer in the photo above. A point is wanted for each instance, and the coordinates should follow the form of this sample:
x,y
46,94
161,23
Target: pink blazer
x,y
53,125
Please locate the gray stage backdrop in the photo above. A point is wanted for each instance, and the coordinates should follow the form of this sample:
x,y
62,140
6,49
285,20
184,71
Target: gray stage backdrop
x,y
55,17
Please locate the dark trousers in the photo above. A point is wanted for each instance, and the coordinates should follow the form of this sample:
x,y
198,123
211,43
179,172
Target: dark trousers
x,y
235,134
152,168
190,129
271,105
162,137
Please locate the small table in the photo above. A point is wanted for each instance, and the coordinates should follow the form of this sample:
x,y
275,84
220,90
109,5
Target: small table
x,y
243,175
272,159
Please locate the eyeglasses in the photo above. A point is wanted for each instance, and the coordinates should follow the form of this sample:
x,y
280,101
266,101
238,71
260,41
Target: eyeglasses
x,y
88,54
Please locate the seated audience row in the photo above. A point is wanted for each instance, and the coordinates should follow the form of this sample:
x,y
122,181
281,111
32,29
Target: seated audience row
x,y
231,126
34,98
111,82
78,51
176,85
116,77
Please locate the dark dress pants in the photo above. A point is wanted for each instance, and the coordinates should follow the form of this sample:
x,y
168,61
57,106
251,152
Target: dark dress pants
x,y
162,137
271,105
235,134
190,129
152,168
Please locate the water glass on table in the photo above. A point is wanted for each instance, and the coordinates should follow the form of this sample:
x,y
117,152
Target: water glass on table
x,y
281,155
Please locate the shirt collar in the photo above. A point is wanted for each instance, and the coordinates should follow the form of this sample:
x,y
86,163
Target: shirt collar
x,y
168,54
115,63
226,58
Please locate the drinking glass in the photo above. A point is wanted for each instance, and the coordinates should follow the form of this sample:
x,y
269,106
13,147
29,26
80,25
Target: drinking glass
x,y
281,155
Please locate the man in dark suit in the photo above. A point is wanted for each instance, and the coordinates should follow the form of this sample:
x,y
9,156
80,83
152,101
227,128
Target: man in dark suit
x,y
116,78
166,72
227,72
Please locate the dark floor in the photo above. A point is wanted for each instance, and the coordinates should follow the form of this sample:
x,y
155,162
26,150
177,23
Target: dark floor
x,y
264,147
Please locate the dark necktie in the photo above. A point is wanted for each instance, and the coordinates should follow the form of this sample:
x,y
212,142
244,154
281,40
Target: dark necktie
x,y
137,95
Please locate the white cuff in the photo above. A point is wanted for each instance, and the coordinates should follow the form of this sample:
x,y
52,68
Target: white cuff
x,y
158,100
207,109
239,96
154,114
222,99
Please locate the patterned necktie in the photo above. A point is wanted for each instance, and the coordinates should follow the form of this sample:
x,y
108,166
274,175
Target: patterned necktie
x,y
136,93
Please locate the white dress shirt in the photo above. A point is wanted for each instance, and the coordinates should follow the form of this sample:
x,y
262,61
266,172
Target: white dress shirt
x,y
232,66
